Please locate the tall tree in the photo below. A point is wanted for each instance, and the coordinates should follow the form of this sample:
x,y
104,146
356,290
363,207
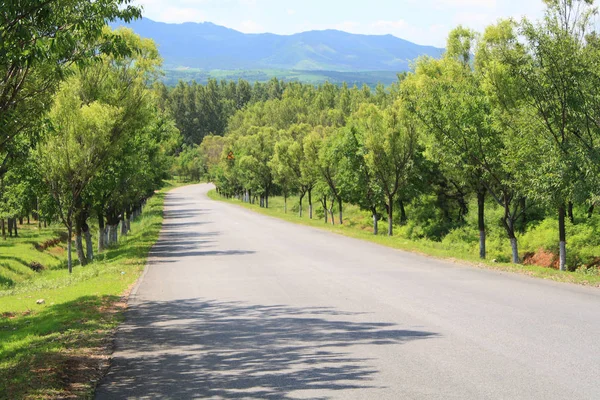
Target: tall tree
x,y
390,139
78,139
553,65
40,41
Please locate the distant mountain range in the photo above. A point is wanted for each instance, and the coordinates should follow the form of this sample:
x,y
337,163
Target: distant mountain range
x,y
207,46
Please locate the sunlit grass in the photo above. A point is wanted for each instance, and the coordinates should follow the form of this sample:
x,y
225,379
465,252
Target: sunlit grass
x,y
59,349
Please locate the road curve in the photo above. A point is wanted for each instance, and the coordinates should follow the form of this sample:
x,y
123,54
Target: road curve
x,y
237,305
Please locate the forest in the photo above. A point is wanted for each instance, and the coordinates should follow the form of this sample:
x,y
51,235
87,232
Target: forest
x,y
493,148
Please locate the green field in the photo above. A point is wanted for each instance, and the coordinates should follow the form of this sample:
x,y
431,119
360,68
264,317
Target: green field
x,y
61,348
370,78
358,224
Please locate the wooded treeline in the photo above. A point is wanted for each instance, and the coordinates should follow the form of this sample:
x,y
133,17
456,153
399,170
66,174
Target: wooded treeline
x,y
82,133
508,119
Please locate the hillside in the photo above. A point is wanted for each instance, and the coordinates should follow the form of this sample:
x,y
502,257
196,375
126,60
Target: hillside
x,y
207,46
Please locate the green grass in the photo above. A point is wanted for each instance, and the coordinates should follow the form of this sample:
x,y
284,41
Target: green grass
x,y
16,254
61,348
358,224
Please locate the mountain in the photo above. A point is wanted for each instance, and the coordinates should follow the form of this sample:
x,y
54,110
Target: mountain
x,y
207,46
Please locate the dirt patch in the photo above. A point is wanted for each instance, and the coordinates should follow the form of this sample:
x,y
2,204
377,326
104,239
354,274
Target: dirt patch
x,y
57,251
36,266
47,244
542,258
62,238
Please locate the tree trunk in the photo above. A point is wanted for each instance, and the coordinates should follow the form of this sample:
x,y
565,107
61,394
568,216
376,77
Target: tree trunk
x,y
123,226
375,223
591,211
101,229
509,225
267,200
79,248
301,197
129,220
390,207
113,234
340,211
69,256
3,226
331,212
403,217
562,238
515,250
39,216
89,245
510,230
285,203
79,229
570,212
20,220
524,215
481,222
9,223
324,202
310,207
15,227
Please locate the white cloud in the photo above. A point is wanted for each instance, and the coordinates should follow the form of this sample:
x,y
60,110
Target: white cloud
x,y
473,19
382,25
291,11
250,26
177,15
347,26
466,3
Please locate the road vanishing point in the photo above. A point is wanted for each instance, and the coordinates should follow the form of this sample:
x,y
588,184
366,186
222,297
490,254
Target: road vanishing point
x,y
238,305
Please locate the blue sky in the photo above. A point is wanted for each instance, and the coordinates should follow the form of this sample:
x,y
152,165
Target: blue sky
x,y
420,21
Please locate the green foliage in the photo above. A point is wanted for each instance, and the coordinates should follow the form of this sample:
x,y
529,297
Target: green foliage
x,y
191,164
40,40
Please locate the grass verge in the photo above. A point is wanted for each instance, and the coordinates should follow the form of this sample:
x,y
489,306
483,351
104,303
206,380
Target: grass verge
x,y
61,348
354,228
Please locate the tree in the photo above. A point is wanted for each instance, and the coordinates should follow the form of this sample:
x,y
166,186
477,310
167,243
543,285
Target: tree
x,y
40,41
69,156
323,152
355,177
551,68
253,164
449,99
390,139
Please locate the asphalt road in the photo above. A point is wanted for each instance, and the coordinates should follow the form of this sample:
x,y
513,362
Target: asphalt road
x,y
237,305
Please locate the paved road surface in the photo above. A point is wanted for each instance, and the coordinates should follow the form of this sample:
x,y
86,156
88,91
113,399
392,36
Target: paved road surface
x,y
237,305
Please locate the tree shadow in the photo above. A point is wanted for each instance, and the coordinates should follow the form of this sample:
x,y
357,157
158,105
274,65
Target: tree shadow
x,y
210,349
35,356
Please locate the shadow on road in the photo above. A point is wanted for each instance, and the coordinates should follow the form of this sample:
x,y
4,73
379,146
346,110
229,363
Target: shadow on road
x,y
200,349
178,239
